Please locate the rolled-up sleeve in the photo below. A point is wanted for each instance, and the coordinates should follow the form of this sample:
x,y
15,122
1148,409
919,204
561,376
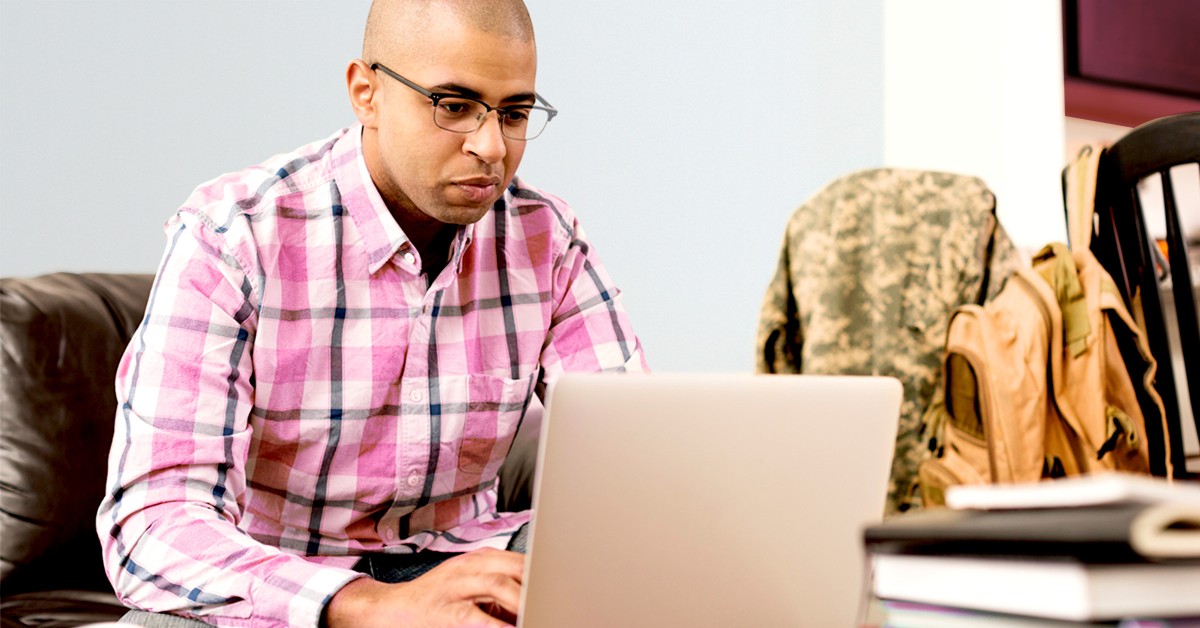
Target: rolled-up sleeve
x,y
589,329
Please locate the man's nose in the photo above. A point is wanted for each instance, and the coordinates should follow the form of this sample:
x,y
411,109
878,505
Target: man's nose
x,y
487,142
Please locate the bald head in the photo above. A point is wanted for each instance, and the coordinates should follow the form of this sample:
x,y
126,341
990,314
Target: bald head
x,y
397,29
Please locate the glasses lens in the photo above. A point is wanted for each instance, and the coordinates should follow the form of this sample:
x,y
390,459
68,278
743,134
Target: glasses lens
x,y
525,123
460,115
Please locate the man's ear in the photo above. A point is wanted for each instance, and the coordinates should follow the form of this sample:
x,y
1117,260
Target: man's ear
x,y
360,86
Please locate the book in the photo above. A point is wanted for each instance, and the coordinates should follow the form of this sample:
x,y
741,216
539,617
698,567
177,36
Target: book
x,y
1063,589
1122,532
1080,490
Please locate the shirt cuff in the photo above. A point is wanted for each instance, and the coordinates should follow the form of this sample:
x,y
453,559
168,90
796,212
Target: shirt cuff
x,y
299,594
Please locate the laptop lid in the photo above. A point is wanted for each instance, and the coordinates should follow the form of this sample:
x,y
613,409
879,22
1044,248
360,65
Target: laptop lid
x,y
706,499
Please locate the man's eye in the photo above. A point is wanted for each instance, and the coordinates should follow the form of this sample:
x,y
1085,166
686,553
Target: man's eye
x,y
516,116
455,108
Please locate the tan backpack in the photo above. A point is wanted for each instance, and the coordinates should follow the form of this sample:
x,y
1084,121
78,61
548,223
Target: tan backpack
x,y
1034,384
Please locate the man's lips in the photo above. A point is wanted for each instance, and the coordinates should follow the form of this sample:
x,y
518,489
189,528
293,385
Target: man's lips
x,y
478,189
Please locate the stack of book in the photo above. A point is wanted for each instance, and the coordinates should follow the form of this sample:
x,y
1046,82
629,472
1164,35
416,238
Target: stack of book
x,y
1108,548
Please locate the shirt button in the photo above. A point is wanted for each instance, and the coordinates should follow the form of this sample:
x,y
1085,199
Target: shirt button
x,y
413,480
415,395
410,258
390,534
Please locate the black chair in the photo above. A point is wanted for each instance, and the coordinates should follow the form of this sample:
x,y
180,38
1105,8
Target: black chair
x,y
1160,279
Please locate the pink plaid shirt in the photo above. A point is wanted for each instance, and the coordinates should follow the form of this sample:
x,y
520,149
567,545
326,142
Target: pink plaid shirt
x,y
298,394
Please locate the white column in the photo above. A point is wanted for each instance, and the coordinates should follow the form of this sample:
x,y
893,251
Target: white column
x,y
976,88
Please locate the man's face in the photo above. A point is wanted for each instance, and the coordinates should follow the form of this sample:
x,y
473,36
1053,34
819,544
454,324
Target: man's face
x,y
425,172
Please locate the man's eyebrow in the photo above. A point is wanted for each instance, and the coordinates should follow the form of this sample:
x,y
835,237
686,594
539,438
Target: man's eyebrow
x,y
457,89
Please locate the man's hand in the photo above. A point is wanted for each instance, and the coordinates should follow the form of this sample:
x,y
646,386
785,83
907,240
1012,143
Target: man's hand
x,y
455,593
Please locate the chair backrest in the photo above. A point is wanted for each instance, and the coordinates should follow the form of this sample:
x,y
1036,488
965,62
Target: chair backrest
x,y
1153,273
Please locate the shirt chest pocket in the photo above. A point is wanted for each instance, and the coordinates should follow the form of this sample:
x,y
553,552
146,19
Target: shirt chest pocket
x,y
485,424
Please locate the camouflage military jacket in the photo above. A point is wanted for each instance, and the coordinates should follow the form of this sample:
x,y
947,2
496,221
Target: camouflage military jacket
x,y
871,268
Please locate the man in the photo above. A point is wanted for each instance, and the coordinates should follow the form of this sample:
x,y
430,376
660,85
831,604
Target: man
x,y
341,343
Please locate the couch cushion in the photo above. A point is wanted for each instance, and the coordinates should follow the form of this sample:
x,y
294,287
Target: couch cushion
x,y
61,336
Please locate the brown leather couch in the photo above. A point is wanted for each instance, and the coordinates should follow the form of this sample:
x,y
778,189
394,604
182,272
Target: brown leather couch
x,y
61,337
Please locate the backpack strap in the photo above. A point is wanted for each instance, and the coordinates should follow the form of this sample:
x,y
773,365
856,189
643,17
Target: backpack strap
x,y
1079,194
1056,265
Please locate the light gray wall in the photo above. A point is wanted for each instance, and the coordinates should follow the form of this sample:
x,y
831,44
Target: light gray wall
x,y
689,131
113,111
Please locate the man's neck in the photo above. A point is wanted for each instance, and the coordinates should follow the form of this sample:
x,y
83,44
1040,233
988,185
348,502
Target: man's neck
x,y
435,251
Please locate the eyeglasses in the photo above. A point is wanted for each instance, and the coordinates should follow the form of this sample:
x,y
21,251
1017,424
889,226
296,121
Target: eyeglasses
x,y
460,114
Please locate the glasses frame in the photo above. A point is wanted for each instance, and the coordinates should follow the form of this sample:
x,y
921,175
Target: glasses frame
x,y
435,97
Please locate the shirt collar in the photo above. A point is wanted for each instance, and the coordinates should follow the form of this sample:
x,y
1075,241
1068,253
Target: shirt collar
x,y
381,235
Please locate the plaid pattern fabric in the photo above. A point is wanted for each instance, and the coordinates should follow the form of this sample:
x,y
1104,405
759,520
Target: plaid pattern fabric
x,y
299,393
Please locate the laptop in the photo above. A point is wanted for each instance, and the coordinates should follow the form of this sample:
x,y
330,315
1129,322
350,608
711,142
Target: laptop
x,y
707,499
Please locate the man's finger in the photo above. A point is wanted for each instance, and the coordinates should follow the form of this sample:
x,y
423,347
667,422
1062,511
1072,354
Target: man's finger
x,y
501,591
473,616
497,587
495,610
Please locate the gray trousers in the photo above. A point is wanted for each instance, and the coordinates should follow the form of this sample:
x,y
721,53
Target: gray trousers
x,y
369,565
